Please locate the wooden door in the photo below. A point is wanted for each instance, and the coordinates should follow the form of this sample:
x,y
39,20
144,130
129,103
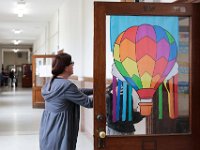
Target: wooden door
x,y
40,73
26,75
156,136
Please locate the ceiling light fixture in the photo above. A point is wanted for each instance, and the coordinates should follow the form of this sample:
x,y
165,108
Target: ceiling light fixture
x,y
17,31
15,50
16,42
21,8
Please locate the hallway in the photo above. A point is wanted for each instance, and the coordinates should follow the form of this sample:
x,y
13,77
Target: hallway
x,y
19,122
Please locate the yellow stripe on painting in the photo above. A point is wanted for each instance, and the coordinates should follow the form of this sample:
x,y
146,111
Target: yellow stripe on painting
x,y
130,66
116,53
168,94
146,80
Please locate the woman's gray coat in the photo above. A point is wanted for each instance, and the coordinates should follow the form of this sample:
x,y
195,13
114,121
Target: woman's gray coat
x,y
60,120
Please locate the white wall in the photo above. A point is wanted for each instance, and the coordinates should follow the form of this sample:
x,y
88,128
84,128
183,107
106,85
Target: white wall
x,y
52,32
64,31
88,34
39,45
71,32
71,28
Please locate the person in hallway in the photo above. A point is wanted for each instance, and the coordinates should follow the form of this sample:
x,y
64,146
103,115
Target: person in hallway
x,y
5,77
60,120
11,76
1,79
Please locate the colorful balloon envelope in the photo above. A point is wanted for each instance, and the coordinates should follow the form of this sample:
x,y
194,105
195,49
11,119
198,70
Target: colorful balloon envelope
x,y
144,55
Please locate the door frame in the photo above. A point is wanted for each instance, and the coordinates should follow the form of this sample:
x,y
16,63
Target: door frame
x,y
142,142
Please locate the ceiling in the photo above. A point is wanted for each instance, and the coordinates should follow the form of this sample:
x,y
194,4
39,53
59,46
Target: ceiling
x,y
39,12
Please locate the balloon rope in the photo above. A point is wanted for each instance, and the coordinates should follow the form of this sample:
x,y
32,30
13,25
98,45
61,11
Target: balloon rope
x,y
168,94
171,84
160,102
124,101
118,100
130,103
114,99
176,95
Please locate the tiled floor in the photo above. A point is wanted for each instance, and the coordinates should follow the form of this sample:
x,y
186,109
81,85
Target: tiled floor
x,y
19,122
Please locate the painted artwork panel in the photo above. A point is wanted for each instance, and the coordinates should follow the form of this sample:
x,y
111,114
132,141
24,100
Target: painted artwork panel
x,y
147,58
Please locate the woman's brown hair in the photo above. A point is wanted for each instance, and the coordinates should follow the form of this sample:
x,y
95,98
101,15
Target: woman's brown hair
x,y
59,63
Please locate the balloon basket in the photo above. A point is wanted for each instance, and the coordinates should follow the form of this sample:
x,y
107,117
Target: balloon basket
x,y
145,108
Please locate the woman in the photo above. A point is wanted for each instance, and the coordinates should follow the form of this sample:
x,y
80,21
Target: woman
x,y
60,119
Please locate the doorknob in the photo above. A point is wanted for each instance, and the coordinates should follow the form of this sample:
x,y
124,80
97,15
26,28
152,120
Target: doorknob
x,y
101,139
102,134
100,117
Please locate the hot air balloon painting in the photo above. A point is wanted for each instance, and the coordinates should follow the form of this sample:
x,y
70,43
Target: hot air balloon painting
x,y
146,56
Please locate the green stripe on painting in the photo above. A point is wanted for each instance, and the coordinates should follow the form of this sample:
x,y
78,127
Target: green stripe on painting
x,y
160,102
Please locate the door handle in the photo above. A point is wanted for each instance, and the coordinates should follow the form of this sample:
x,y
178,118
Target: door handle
x,y
101,139
102,134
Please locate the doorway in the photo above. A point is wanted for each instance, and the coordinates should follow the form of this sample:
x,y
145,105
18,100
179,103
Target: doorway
x,y
13,59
